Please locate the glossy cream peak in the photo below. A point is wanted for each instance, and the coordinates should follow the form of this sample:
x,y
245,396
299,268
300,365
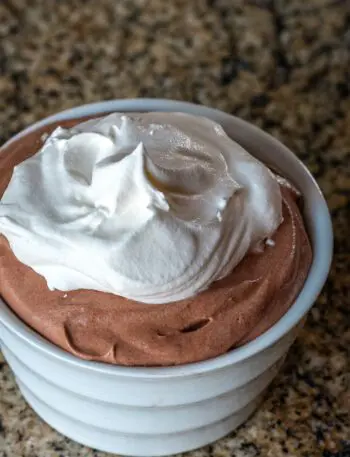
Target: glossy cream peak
x,y
153,207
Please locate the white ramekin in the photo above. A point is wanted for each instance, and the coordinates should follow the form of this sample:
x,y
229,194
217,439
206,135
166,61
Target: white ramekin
x,y
160,411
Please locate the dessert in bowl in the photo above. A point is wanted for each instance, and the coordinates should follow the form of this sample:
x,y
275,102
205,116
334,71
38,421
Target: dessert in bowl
x,y
210,254
147,239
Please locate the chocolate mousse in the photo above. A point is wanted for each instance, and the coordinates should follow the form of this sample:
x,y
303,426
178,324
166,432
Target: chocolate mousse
x,y
99,324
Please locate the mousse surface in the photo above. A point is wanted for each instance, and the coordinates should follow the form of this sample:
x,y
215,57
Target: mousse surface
x,y
106,327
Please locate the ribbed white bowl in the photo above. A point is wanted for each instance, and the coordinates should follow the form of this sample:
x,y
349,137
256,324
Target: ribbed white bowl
x,y
160,411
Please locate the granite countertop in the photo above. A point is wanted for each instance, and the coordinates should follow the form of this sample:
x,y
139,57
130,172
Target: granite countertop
x,y
283,65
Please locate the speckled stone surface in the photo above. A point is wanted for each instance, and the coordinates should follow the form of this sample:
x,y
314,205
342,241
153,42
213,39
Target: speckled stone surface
x,y
283,65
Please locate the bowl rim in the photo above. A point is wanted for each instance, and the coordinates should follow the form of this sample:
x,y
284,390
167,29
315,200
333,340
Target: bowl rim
x,y
322,255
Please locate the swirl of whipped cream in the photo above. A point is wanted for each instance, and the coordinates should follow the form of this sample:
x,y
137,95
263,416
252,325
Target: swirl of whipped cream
x,y
153,207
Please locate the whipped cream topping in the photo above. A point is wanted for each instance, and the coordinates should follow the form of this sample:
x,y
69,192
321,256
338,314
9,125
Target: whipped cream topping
x,y
153,207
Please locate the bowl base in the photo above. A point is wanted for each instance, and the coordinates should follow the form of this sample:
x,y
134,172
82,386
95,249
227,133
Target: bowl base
x,y
141,445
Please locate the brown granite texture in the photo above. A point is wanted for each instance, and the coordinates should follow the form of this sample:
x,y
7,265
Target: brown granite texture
x,y
283,65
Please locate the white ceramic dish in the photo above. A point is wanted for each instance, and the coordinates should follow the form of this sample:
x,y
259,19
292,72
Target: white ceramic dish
x,y
160,411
